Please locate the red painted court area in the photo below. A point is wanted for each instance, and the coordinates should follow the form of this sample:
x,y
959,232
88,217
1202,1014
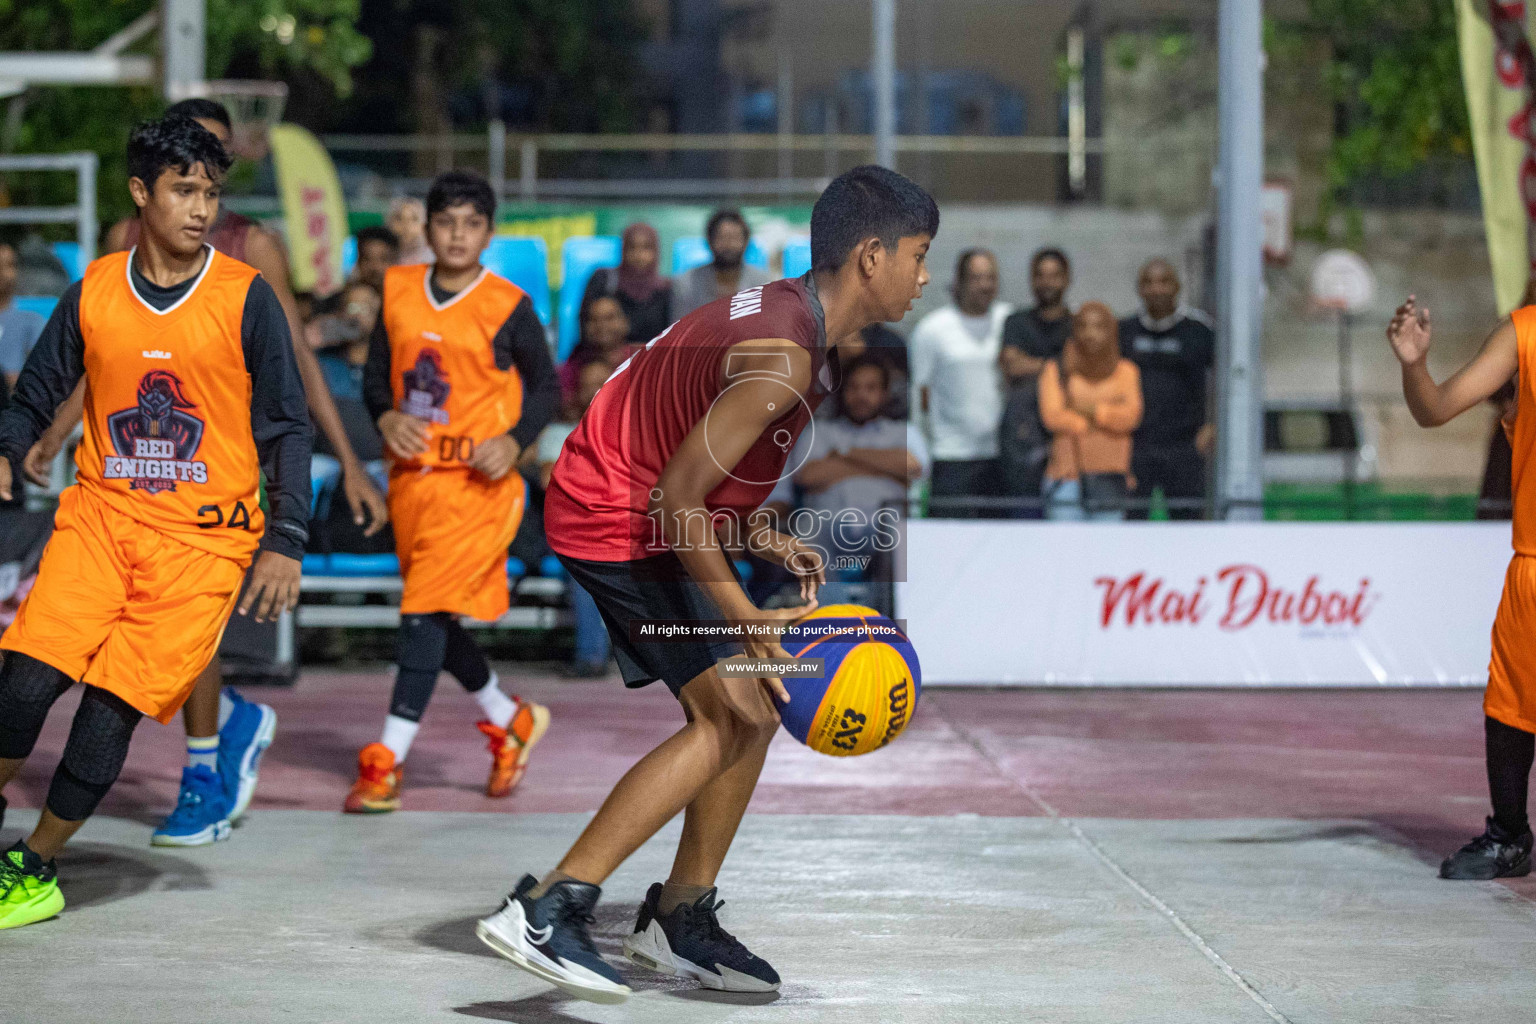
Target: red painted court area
x,y
1409,761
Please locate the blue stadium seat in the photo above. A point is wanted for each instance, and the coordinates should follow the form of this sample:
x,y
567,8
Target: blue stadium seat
x,y
693,251
516,570
550,567
797,257
73,259
745,569
343,564
579,257
316,565
523,260
42,305
348,255
324,475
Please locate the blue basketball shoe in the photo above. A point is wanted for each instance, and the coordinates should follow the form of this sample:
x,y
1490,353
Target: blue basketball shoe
x,y
242,741
201,815
689,943
548,938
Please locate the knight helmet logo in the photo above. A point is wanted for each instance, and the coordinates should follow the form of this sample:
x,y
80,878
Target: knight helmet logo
x,y
426,388
156,440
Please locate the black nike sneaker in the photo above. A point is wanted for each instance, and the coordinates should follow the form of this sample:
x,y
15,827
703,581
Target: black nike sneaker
x,y
1494,854
548,938
690,943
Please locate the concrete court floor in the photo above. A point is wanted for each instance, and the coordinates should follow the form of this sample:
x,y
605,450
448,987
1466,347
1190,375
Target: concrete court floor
x,y
1041,855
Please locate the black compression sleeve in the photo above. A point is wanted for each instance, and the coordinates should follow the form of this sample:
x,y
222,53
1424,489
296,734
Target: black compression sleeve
x,y
279,419
51,372
520,343
378,395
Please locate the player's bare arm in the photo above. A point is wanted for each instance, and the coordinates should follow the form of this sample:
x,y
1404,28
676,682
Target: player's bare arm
x,y
755,386
1433,404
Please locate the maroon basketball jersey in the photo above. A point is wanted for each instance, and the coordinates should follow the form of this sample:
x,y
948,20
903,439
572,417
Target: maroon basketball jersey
x,y
600,489
227,235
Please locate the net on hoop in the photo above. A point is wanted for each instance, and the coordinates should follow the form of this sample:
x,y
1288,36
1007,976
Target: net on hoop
x,y
254,107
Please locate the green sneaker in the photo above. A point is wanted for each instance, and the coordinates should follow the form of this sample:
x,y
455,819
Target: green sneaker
x,y
28,894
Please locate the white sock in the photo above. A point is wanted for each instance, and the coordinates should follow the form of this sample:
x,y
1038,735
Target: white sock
x,y
226,708
398,734
203,750
498,707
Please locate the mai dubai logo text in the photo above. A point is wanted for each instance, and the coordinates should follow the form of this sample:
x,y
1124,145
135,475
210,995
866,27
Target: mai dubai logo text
x,y
1238,597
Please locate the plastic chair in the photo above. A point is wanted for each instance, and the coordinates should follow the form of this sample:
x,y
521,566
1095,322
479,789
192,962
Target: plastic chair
x,y
348,255
42,305
550,567
523,260
516,570
579,258
344,564
69,254
797,257
693,251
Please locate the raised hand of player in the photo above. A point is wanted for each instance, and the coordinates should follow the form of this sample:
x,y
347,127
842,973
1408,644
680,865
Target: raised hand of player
x,y
495,457
274,586
766,645
405,436
367,504
1409,332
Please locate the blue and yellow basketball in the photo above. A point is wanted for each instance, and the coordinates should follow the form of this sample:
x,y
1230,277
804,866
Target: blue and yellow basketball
x,y
868,688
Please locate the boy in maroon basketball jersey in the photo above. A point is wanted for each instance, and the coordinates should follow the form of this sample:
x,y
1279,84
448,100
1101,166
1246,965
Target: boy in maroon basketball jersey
x,y
684,442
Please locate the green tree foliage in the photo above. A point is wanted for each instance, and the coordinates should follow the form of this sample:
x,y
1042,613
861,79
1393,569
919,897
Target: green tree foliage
x,y
1396,80
263,38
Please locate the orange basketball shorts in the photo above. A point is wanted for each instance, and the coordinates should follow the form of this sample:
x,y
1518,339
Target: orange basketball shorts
x,y
124,607
1511,696
452,530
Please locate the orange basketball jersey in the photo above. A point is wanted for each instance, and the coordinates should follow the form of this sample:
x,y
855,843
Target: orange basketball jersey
x,y
168,406
442,364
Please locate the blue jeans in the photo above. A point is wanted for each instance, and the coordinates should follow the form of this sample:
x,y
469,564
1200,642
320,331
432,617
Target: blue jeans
x,y
592,645
1064,504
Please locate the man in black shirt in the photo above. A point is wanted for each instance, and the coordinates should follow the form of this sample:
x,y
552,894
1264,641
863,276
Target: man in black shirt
x,y
1031,338
1175,349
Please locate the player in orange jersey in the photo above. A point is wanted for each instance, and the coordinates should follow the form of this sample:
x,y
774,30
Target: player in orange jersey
x,y
460,382
191,392
1504,848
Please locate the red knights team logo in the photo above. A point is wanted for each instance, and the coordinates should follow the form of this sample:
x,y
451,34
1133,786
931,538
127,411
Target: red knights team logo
x,y
426,388
156,441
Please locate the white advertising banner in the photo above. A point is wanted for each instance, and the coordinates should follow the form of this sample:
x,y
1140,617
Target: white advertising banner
x,y
1280,604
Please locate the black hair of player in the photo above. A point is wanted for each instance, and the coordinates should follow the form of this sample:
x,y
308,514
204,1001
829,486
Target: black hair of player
x,y
722,217
1049,253
174,142
377,233
200,109
963,264
868,201
458,188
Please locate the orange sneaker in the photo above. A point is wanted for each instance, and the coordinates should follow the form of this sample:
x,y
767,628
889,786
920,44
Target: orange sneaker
x,y
510,747
377,789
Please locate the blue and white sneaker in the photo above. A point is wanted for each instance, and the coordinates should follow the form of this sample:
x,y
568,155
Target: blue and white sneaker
x,y
242,741
548,938
201,815
689,943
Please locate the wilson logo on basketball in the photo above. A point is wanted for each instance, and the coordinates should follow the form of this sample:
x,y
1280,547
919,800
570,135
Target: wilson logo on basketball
x,y
898,702
1238,597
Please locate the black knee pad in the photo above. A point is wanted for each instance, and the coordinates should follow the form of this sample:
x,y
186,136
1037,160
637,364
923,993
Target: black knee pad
x,y
28,688
464,660
94,755
422,642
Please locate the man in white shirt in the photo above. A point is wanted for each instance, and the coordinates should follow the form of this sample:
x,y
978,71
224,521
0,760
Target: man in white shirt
x,y
959,387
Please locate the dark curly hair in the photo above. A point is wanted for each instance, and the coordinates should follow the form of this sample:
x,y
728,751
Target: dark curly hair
x,y
174,142
457,188
868,202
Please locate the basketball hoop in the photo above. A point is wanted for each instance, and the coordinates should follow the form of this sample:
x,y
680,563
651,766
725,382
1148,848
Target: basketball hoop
x,y
254,107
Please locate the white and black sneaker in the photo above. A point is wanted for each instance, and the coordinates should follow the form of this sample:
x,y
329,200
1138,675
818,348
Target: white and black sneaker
x,y
548,938
1497,853
690,943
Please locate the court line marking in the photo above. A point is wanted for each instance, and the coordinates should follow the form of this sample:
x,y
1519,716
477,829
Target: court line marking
x,y
1193,937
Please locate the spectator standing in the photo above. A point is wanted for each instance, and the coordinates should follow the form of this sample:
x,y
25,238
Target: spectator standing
x,y
727,234
1090,400
959,386
407,220
1175,349
377,250
1031,338
855,464
645,295
19,328
592,646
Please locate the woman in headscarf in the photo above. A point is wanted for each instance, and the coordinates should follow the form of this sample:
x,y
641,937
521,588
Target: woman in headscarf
x,y
1090,401
645,295
604,339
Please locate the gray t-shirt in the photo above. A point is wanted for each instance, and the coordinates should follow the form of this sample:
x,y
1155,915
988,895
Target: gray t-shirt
x,y
697,287
866,493
19,330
